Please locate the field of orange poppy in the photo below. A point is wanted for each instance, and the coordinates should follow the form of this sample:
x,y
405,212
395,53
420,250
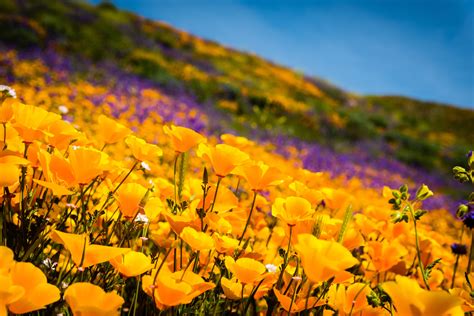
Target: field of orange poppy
x,y
121,197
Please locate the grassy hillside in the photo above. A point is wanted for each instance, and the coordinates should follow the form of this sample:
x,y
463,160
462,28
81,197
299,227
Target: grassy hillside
x,y
251,92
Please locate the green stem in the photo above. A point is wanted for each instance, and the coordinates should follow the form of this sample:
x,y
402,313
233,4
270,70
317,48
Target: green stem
x,y
215,194
454,271
248,219
471,253
418,251
285,261
135,298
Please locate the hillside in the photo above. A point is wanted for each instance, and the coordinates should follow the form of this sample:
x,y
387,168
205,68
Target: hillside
x,y
146,171
250,95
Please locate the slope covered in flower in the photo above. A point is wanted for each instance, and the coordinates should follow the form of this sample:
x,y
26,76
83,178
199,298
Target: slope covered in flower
x,y
131,192
251,91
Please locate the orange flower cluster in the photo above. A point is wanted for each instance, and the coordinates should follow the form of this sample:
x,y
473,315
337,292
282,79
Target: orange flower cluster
x,y
186,224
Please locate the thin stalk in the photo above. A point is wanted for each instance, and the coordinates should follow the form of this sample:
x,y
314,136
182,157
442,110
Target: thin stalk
x,y
248,219
471,253
215,194
135,298
454,270
418,251
285,261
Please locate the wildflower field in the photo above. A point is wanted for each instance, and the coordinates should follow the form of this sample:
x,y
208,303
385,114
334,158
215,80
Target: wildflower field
x,y
163,177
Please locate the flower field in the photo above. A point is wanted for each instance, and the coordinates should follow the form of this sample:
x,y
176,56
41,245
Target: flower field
x,y
121,194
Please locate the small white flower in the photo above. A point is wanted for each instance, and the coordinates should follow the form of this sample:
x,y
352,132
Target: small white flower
x,y
50,264
271,268
8,90
142,218
145,166
63,109
64,285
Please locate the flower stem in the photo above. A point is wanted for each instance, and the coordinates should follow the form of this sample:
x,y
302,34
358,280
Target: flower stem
x,y
285,261
471,253
418,251
250,215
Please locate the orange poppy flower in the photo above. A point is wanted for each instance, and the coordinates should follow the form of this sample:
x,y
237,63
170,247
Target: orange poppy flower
x,y
32,122
331,257
129,196
6,260
57,189
9,293
82,165
246,270
60,134
197,240
172,289
182,138
84,254
132,263
299,303
6,110
223,158
86,299
410,299
235,290
153,208
10,174
351,298
38,292
110,131
292,210
385,254
225,244
259,176
141,150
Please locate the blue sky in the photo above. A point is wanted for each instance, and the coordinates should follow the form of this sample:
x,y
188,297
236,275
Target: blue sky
x,y
418,48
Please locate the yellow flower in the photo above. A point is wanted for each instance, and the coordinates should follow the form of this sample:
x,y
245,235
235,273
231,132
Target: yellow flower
x,y
233,289
246,270
6,110
323,259
385,254
10,174
129,196
109,131
84,254
171,289
9,293
6,260
225,244
38,292
83,165
32,122
197,240
223,158
182,138
60,134
351,298
86,299
410,299
292,210
299,303
132,263
141,150
259,176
